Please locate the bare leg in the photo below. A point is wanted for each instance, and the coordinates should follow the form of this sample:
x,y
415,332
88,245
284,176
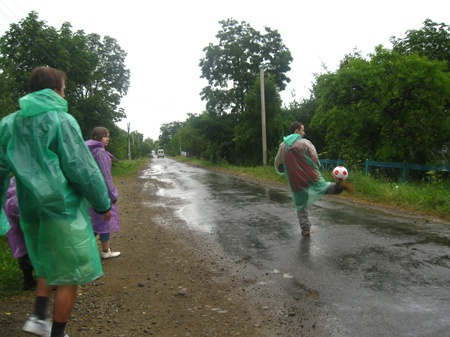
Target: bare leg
x,y
38,324
42,289
64,302
105,246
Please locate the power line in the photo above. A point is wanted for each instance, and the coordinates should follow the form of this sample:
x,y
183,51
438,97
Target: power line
x,y
11,17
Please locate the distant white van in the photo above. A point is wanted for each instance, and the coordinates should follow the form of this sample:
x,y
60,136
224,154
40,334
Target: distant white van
x,y
161,153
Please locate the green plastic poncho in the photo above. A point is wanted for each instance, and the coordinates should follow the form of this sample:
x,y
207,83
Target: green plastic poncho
x,y
298,161
56,176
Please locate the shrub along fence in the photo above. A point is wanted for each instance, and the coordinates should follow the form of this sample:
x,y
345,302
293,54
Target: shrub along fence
x,y
404,168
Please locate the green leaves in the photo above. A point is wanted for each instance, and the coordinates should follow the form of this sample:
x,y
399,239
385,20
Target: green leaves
x,y
97,77
391,107
231,66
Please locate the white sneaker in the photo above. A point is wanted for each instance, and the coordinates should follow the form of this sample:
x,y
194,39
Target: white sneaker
x,y
110,254
38,326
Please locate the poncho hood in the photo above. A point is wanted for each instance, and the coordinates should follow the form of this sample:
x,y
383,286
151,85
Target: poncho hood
x,y
42,101
94,145
289,140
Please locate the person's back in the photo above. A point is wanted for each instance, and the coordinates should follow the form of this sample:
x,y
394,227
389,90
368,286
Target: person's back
x,y
55,175
43,148
302,171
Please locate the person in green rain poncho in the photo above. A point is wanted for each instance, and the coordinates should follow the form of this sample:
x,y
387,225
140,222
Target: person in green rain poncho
x,y
298,161
56,176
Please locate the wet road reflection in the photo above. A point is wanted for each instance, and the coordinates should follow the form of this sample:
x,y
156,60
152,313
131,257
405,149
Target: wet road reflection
x,y
374,273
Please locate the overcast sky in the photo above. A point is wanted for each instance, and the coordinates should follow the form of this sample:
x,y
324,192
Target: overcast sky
x,y
164,40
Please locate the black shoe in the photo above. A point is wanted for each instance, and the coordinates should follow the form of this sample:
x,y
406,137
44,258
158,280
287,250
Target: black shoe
x,y
29,284
306,232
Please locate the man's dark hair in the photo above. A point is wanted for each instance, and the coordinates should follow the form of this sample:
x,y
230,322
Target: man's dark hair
x,y
294,126
46,78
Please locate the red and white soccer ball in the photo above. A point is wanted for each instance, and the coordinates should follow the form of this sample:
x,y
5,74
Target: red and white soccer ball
x,y
340,173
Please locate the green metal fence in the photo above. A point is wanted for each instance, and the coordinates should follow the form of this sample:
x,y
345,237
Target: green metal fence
x,y
329,164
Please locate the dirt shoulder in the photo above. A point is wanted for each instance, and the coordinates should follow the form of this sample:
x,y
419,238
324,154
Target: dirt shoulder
x,y
167,282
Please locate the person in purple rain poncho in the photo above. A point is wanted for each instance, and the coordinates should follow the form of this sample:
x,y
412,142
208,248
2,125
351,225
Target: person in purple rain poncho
x,y
55,178
97,144
15,237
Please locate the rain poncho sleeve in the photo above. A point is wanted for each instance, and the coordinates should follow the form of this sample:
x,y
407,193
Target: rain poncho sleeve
x,y
15,236
4,223
298,161
55,174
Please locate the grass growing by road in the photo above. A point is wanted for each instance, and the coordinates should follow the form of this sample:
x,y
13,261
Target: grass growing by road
x,y
127,167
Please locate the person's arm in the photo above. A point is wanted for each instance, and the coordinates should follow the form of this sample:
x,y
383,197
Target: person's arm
x,y
5,173
104,163
79,166
107,216
279,160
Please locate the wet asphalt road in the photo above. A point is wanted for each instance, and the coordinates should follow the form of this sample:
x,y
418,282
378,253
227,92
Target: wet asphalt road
x,y
372,272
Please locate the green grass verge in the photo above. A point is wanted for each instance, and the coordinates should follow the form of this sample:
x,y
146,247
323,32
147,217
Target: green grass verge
x,y
11,281
123,168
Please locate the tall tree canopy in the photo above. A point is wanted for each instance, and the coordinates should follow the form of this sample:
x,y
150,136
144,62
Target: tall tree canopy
x,y
248,132
389,108
167,132
432,41
232,66
97,77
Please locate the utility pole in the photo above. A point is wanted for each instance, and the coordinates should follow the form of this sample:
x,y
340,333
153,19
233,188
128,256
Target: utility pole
x,y
263,117
128,146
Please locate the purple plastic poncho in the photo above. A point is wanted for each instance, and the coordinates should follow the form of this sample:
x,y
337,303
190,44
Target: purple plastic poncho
x,y
56,177
15,235
103,159
298,161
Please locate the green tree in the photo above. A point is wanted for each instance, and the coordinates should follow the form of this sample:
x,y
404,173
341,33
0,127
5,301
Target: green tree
x,y
97,77
23,47
191,139
118,143
389,108
232,66
167,132
97,94
432,41
248,133
303,111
